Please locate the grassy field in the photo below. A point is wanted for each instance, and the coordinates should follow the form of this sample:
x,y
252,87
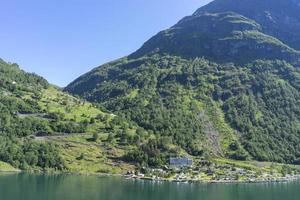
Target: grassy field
x,y
80,152
74,109
4,167
87,157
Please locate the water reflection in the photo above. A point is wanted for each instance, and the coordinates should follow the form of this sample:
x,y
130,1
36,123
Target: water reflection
x,y
66,187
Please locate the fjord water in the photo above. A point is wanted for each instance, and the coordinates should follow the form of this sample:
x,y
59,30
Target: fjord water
x,y
66,187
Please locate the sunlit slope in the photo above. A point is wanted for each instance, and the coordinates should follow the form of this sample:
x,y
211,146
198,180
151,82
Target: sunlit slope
x,y
217,83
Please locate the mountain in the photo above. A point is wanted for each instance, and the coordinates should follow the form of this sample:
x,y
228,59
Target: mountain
x,y
220,37
18,91
41,128
222,82
278,18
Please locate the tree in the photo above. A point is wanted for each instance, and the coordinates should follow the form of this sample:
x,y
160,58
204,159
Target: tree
x,y
95,137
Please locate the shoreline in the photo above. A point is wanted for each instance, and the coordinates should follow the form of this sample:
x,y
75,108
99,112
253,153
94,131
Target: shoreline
x,y
271,180
289,178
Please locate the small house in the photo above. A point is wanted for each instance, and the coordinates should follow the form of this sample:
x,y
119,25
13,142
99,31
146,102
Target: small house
x,y
181,162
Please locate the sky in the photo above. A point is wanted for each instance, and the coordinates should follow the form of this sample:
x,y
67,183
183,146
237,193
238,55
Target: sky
x,y
63,39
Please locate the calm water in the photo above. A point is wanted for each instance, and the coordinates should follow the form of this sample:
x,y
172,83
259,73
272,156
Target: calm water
x,y
64,187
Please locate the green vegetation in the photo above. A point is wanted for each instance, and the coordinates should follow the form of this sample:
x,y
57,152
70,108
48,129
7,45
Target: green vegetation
x,y
219,37
19,93
4,167
83,155
270,14
32,112
217,86
237,111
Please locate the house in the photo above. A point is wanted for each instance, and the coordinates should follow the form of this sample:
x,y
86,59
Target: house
x,y
180,162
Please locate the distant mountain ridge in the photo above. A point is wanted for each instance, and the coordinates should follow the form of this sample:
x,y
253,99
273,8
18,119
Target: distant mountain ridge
x,y
220,37
278,18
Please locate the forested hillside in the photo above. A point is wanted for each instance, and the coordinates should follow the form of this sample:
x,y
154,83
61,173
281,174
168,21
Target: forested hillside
x,y
278,18
223,82
218,83
19,92
37,117
220,37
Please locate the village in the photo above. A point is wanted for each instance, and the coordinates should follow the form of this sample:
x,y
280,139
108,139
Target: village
x,y
184,170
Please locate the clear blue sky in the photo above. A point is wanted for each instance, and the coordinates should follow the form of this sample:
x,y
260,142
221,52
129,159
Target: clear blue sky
x,y
62,39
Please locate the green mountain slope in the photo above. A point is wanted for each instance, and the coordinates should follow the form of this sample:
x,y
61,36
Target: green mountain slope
x,y
215,84
187,100
220,37
42,127
278,18
15,149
